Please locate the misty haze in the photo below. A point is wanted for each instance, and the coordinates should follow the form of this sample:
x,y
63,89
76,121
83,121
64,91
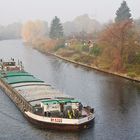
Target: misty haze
x,y
71,70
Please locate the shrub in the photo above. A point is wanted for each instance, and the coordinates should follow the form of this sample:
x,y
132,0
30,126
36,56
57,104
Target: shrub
x,y
85,48
59,47
95,51
132,74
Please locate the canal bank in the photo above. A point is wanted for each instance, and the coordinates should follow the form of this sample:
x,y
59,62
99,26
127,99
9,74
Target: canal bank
x,y
95,68
116,100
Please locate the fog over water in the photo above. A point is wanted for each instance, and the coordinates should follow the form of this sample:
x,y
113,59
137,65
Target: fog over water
x,y
23,10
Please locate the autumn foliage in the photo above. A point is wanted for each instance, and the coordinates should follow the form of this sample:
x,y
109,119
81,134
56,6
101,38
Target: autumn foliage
x,y
33,30
118,37
115,48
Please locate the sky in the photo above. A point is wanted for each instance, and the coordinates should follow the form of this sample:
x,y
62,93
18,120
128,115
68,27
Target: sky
x,y
24,10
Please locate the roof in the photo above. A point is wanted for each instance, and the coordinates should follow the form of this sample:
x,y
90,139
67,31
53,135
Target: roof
x,y
46,102
19,77
50,102
10,74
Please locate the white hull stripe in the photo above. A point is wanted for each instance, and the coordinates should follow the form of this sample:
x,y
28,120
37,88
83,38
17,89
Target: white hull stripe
x,y
59,120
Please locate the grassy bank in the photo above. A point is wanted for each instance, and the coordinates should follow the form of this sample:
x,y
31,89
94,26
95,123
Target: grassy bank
x,y
89,61
95,59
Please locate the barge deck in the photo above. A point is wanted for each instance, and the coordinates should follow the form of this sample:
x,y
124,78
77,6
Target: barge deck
x,y
41,104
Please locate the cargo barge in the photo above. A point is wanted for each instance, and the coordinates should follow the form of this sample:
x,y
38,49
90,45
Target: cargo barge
x,y
40,103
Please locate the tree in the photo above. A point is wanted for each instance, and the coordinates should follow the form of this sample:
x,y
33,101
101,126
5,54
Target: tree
x,y
123,13
33,30
117,36
56,31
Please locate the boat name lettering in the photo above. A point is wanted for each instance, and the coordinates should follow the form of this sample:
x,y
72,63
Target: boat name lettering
x,y
56,120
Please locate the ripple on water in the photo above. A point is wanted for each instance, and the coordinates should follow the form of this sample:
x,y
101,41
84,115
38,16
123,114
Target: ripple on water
x,y
116,100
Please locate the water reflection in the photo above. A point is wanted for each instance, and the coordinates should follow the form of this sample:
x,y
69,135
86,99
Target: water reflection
x,y
116,100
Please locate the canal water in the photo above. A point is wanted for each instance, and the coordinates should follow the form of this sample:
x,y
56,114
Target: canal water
x,y
116,100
